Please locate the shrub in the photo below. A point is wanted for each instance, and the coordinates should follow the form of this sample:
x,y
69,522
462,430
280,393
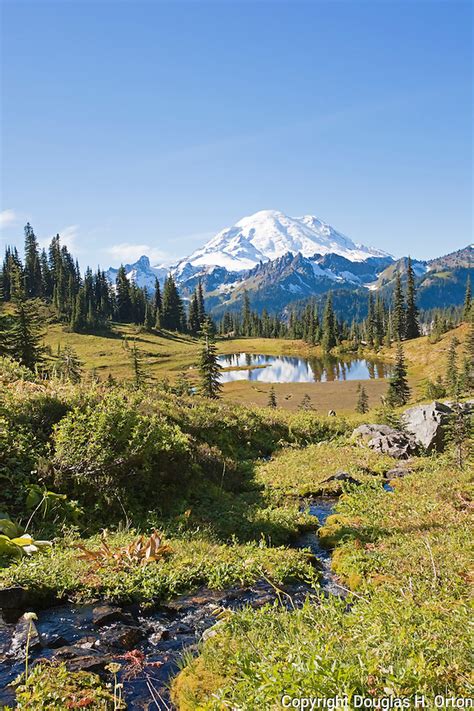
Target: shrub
x,y
109,453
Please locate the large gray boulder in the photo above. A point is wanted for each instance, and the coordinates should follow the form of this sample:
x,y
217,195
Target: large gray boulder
x,y
386,440
426,423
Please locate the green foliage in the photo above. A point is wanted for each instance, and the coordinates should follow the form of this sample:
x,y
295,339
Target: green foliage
x,y
194,561
14,543
405,633
109,454
398,390
52,686
362,400
209,368
272,401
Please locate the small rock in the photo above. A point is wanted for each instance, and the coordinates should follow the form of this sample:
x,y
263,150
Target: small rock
x,y
122,636
79,659
54,642
211,631
25,632
160,636
396,473
13,598
341,476
107,614
386,440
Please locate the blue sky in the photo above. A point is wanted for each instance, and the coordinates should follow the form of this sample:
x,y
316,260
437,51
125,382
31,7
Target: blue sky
x,y
135,127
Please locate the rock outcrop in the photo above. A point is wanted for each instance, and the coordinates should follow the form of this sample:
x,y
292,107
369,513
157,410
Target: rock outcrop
x,y
386,440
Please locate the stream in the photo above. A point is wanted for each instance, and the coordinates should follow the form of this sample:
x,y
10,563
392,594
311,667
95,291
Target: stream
x,y
148,644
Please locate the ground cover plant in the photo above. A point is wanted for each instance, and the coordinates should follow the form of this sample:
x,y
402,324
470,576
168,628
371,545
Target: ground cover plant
x,y
407,556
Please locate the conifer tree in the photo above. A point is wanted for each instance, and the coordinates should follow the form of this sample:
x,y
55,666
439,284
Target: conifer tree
x,y
68,366
123,295
329,338
306,403
272,400
138,366
467,300
26,332
209,368
194,323
452,375
362,400
158,304
200,302
398,389
173,313
32,264
149,320
412,327
398,310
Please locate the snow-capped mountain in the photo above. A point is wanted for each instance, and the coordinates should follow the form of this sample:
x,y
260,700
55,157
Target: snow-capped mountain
x,y
141,272
268,235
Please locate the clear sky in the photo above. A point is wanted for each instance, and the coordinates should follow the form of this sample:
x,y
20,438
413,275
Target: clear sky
x,y
145,127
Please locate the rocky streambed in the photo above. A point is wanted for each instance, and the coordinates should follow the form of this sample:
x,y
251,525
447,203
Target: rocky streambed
x,y
147,641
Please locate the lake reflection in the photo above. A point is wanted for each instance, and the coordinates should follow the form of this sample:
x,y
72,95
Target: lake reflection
x,y
293,369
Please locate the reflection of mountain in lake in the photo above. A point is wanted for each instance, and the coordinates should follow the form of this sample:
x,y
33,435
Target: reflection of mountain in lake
x,y
292,369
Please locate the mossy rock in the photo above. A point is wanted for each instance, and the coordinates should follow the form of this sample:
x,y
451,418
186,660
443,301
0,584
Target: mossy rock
x,y
194,685
335,528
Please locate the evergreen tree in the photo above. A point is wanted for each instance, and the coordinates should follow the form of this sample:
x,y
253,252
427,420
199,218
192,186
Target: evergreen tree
x,y
467,300
398,310
306,403
68,366
123,296
173,313
209,368
26,333
32,274
452,375
158,304
138,366
329,339
200,302
149,320
362,400
246,316
272,400
398,389
412,327
460,435
194,323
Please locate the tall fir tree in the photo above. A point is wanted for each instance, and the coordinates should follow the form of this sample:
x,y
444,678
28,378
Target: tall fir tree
x,y
398,389
158,304
173,312
32,272
26,330
200,303
194,323
466,312
398,310
329,338
123,295
412,327
209,368
452,373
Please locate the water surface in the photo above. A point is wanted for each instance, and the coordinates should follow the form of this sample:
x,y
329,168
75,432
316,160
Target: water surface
x,y
295,369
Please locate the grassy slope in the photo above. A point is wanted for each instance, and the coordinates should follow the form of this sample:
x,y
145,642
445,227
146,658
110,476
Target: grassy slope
x,y
167,355
408,556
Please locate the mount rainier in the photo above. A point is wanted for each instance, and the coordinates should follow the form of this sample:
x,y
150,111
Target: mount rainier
x,y
278,260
